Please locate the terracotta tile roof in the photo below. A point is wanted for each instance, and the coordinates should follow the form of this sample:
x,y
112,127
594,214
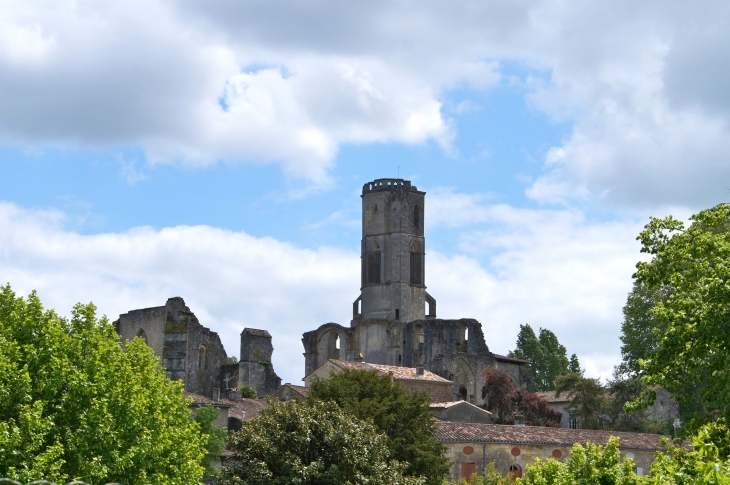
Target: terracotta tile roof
x,y
514,360
204,401
252,408
399,373
300,389
549,396
533,435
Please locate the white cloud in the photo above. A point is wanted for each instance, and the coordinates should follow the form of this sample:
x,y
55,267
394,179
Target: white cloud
x,y
551,269
271,82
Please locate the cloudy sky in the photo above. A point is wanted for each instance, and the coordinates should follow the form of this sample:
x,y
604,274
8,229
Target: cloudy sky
x,y
216,151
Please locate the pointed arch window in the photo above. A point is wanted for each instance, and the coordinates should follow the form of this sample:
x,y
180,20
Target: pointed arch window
x,y
416,264
202,357
142,334
373,266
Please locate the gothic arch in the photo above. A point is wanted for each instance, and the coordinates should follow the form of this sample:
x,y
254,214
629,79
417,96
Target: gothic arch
x,y
464,380
202,357
331,344
141,334
374,263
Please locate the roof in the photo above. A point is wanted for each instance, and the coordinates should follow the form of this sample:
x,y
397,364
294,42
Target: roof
x,y
205,401
534,435
300,389
550,396
514,360
440,406
399,373
252,408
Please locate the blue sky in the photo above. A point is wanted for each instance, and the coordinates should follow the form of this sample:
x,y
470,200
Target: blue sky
x,y
216,151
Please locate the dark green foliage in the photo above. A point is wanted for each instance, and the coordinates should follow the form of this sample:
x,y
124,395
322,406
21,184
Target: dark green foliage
x,y
248,392
690,355
75,405
588,402
624,389
216,436
574,365
548,358
641,329
504,401
310,443
403,417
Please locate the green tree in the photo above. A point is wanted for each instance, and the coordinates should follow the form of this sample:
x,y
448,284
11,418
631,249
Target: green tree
x,y
622,389
76,405
691,355
216,437
310,443
248,392
574,365
586,466
548,358
402,416
641,329
588,402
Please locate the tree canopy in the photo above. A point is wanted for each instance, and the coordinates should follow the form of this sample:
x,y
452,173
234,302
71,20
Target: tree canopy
x,y
690,351
503,400
548,358
402,416
76,405
587,399
311,443
216,437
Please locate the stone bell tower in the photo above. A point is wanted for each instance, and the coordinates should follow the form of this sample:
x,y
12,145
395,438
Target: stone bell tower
x,y
393,274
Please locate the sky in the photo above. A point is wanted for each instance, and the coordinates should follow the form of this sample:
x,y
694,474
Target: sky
x,y
217,151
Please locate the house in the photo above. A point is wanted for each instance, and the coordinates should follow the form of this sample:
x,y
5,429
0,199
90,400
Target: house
x,y
415,379
460,412
290,391
472,446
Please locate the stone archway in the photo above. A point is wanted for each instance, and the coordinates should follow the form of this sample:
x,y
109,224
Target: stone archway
x,y
464,380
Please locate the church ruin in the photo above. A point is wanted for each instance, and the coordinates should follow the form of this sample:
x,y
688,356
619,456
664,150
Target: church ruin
x,y
394,319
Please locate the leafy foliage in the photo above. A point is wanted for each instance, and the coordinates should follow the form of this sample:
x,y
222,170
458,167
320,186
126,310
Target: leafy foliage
x,y
504,401
248,392
623,389
588,402
641,329
490,477
586,466
75,405
312,443
216,437
705,465
548,358
691,356
402,416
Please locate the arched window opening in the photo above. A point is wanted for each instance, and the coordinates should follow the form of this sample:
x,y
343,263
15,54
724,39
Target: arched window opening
x,y
463,393
142,334
337,343
416,217
416,265
466,334
373,268
203,357
515,472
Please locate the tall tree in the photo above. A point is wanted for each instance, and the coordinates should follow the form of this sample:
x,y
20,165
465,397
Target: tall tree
x,y
548,358
402,416
690,358
75,405
641,328
504,401
216,437
312,442
574,365
587,402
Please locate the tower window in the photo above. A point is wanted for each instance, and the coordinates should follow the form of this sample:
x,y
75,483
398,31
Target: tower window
x,y
373,267
202,357
397,314
416,264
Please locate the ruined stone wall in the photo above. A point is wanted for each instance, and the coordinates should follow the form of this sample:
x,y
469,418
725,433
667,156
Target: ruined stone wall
x,y
254,367
188,351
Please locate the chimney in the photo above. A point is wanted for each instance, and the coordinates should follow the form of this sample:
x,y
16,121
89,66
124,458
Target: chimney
x,y
216,394
519,421
419,370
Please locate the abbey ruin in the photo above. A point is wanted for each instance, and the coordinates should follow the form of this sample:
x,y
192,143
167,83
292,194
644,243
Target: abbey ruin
x,y
394,319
